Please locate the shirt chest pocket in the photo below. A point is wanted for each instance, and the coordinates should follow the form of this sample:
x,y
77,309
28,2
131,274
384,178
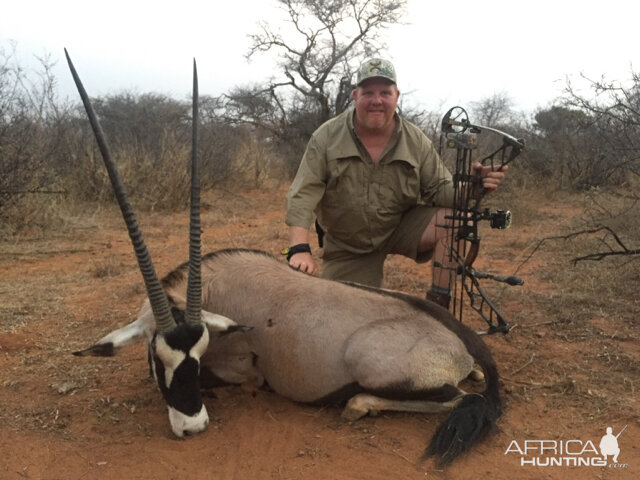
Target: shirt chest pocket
x,y
346,181
399,186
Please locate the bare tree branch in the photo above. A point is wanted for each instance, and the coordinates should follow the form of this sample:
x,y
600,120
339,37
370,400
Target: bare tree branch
x,y
326,40
318,49
621,250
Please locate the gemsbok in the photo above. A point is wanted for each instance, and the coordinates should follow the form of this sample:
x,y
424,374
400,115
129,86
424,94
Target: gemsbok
x,y
309,339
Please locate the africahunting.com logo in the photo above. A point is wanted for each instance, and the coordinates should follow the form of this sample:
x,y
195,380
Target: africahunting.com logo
x,y
569,453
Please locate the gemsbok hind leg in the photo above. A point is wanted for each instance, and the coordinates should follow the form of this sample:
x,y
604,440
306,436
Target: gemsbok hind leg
x,y
405,365
365,403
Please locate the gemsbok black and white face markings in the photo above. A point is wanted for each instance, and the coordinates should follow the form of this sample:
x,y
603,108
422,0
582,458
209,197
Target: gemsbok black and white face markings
x,y
312,340
175,364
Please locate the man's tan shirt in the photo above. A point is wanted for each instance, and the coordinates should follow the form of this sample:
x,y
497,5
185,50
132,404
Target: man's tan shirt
x,y
359,203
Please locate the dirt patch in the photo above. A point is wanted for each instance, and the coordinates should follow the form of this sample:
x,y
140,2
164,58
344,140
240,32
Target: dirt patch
x,y
570,367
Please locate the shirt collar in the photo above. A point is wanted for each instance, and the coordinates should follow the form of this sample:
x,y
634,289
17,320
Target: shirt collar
x,y
398,146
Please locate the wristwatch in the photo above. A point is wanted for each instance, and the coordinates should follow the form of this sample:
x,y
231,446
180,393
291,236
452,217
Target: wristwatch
x,y
299,248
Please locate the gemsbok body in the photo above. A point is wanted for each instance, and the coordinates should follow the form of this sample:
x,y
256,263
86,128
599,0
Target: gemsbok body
x,y
242,316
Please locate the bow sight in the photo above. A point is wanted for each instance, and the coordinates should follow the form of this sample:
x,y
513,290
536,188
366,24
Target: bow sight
x,y
499,219
459,133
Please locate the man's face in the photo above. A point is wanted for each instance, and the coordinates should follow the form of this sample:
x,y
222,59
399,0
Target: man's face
x,y
375,101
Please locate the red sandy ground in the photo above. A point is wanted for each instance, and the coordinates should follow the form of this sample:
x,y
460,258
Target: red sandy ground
x,y
63,417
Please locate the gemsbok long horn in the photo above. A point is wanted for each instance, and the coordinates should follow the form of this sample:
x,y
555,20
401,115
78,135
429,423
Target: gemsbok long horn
x,y
157,297
194,286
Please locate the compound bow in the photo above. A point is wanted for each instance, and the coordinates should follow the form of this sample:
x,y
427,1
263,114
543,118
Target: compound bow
x,y
464,242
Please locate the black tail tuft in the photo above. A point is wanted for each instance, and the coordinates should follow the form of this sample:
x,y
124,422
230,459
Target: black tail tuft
x,y
467,424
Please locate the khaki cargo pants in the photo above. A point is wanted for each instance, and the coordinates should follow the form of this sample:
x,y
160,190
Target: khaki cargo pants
x,y
367,268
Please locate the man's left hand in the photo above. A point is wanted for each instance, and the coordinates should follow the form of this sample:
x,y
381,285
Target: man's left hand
x,y
491,176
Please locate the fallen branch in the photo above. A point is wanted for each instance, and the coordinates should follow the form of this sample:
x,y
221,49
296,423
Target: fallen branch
x,y
22,192
623,249
46,252
600,255
533,355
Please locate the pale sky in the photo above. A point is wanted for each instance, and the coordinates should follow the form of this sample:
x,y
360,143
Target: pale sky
x,y
449,53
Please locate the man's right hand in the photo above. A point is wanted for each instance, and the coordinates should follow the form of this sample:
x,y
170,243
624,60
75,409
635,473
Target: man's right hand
x,y
303,261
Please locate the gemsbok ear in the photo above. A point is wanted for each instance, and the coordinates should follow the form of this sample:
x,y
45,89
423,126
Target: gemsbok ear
x,y
109,345
221,324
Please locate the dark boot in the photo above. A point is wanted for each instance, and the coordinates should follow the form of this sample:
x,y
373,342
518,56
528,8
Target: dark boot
x,y
441,296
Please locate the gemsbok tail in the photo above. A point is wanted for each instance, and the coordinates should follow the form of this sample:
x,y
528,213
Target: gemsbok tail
x,y
474,417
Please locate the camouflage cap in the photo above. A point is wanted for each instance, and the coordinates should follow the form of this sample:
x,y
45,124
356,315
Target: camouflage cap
x,y
376,67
